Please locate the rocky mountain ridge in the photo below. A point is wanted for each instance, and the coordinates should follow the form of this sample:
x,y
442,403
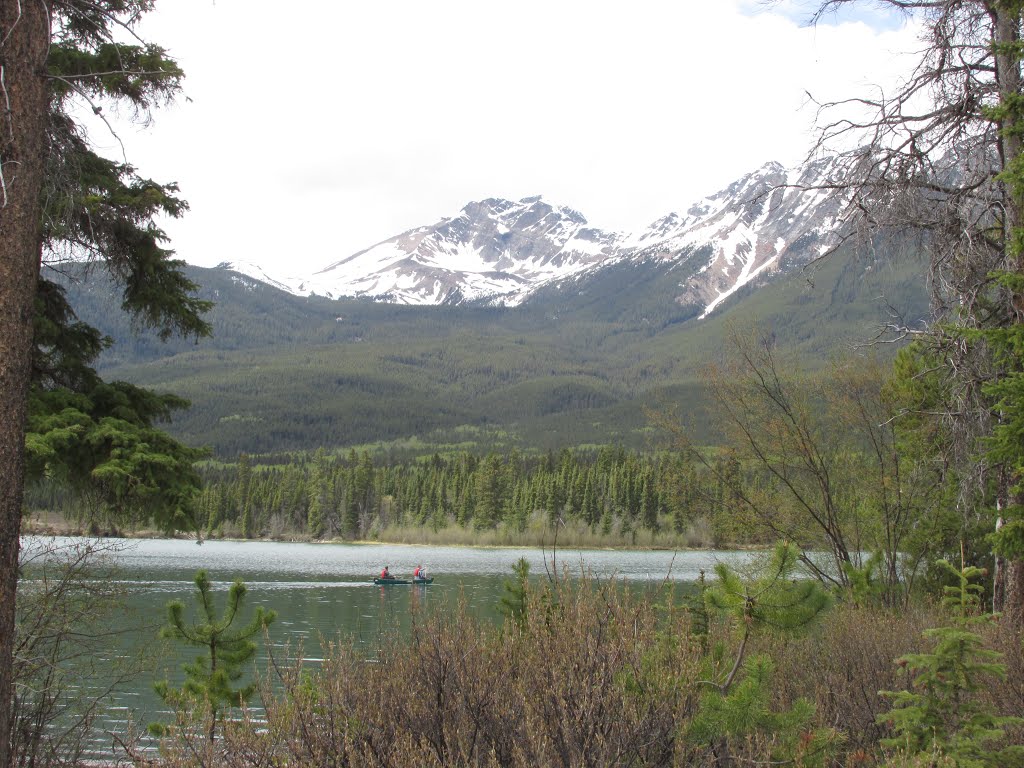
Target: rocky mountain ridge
x,y
500,252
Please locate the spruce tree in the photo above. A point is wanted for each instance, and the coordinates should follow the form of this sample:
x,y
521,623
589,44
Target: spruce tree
x,y
941,712
61,199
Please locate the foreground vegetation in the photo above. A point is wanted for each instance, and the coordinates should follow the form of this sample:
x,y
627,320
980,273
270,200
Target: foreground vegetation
x,y
787,665
750,669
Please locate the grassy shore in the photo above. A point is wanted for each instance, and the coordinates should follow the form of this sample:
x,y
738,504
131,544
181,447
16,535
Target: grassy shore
x,y
538,533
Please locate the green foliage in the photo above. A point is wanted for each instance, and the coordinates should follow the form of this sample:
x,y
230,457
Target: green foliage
x,y
513,602
864,586
211,678
103,443
773,597
99,438
813,458
1006,391
920,389
496,377
360,495
102,209
746,714
737,706
941,711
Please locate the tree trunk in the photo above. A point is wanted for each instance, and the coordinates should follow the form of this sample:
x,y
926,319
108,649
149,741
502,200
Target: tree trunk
x,y
1007,36
1010,576
1013,602
24,41
999,576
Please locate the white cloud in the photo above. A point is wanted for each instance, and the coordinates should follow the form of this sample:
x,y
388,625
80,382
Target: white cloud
x,y
316,131
879,16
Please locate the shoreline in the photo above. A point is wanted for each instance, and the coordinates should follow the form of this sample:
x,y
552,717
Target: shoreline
x,y
50,524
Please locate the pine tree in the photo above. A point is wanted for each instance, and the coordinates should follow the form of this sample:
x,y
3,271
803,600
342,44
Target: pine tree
x,y
737,704
513,602
210,678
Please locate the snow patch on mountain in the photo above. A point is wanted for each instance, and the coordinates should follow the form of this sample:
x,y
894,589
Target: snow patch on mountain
x,y
747,230
501,252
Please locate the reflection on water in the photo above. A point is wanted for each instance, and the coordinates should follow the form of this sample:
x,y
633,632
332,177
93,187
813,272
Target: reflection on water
x,y
325,592
277,562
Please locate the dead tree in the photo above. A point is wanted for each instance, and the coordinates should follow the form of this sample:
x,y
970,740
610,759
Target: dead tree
x,y
933,170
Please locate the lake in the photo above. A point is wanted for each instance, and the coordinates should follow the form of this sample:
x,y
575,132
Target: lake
x,y
326,591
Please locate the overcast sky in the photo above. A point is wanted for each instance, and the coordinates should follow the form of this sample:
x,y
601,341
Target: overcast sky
x,y
313,132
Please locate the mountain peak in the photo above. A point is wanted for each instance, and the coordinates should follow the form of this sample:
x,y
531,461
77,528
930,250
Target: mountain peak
x,y
501,251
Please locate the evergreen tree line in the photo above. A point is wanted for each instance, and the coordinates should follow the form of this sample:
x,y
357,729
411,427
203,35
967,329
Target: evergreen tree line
x,y
610,491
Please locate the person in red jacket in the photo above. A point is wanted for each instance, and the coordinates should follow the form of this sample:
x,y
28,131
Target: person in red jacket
x,y
385,574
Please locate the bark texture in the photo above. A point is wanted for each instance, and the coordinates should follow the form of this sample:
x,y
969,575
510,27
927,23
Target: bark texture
x,y
1009,579
24,40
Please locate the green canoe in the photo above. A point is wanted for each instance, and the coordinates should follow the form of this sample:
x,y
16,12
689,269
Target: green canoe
x,y
389,582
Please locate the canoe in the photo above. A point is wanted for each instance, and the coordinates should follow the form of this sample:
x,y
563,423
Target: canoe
x,y
390,582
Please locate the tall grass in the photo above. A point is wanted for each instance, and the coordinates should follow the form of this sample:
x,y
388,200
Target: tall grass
x,y
540,533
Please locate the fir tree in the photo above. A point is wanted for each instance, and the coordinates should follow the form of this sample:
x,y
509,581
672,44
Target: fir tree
x,y
941,711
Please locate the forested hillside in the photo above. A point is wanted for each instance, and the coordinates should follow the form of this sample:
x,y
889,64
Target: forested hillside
x,y
574,366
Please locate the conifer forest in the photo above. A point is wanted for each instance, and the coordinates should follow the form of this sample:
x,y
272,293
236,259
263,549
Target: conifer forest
x,y
849,426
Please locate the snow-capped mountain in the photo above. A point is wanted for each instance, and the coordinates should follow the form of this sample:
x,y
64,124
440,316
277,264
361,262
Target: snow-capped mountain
x,y
500,252
494,250
767,220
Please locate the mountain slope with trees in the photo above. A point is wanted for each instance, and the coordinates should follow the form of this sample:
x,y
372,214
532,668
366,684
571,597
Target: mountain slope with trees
x,y
575,365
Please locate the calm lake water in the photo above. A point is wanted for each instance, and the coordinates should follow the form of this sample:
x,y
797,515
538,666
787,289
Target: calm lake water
x,y
325,591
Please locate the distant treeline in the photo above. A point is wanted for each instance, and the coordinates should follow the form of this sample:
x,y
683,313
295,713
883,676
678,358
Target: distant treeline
x,y
612,493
